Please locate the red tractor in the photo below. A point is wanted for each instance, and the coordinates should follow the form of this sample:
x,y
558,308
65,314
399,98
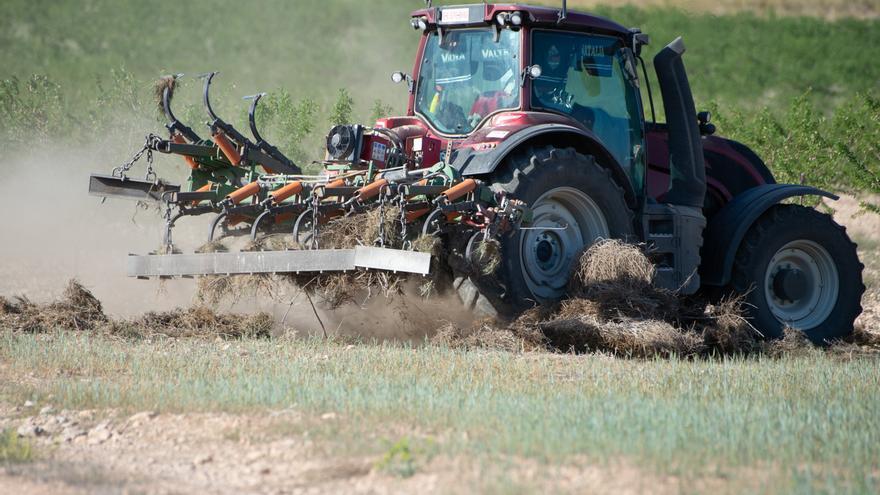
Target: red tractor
x,y
527,126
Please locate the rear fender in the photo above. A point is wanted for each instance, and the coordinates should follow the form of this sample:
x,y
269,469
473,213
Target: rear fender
x,y
471,162
729,226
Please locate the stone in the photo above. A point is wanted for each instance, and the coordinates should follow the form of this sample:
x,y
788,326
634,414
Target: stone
x,y
100,434
30,429
71,433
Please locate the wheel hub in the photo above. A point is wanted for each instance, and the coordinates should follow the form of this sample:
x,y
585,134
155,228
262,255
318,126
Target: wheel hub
x,y
565,220
547,250
801,284
789,284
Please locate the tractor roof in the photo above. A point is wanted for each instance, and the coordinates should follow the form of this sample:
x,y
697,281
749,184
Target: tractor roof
x,y
548,16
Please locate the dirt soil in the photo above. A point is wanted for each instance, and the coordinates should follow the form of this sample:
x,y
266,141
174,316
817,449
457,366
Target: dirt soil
x,y
271,453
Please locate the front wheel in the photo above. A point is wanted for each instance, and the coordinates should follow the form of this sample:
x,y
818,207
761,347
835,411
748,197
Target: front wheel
x,y
575,203
797,268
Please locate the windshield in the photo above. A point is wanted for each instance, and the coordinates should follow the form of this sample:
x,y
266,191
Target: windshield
x,y
468,77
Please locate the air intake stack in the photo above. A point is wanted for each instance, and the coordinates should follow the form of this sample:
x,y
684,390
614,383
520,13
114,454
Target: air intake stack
x,y
675,228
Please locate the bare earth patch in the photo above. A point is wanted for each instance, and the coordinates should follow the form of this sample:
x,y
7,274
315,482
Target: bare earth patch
x,y
274,452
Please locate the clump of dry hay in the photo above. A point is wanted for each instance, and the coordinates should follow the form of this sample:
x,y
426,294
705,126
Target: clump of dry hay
x,y
212,290
792,343
362,229
487,335
616,308
194,322
215,246
616,281
725,330
437,281
336,289
77,309
270,243
6,306
428,244
634,338
865,338
487,257
159,86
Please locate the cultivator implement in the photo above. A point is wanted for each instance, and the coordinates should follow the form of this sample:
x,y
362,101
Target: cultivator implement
x,y
252,189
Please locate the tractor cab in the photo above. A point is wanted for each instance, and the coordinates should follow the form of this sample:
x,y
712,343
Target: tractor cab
x,y
493,80
503,67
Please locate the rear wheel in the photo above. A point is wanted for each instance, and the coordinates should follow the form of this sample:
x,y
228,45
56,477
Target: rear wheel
x,y
799,269
575,203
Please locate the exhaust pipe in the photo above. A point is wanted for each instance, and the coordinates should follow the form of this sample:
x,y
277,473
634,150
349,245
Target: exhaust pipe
x,y
687,186
681,213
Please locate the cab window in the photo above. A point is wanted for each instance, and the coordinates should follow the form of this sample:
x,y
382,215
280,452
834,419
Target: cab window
x,y
592,79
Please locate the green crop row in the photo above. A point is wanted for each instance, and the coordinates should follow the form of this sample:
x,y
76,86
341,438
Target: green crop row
x,y
802,424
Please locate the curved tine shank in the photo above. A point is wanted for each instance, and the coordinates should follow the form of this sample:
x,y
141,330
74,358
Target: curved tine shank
x,y
255,228
173,123
252,113
209,77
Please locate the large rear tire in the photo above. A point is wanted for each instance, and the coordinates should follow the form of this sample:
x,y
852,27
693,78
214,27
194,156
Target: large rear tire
x,y
798,268
575,202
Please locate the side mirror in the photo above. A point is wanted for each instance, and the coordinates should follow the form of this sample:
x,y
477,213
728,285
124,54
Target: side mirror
x,y
707,128
531,72
399,77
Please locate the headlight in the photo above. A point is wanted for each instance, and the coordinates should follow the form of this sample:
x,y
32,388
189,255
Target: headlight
x,y
419,23
341,142
516,19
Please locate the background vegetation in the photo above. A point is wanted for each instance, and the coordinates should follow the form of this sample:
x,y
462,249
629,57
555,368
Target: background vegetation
x,y
802,90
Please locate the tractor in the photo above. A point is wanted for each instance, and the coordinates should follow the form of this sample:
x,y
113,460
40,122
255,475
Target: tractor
x,y
533,128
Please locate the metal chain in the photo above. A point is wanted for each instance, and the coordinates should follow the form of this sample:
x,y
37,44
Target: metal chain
x,y
151,174
381,239
148,149
169,244
314,240
407,244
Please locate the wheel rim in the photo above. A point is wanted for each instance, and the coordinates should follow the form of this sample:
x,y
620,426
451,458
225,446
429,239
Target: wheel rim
x,y
801,284
565,220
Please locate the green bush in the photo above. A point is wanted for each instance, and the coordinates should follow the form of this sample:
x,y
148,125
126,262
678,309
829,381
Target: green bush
x,y
840,153
33,107
14,449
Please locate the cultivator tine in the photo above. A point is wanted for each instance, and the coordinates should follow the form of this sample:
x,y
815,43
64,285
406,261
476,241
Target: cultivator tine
x,y
261,143
236,147
252,113
174,125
